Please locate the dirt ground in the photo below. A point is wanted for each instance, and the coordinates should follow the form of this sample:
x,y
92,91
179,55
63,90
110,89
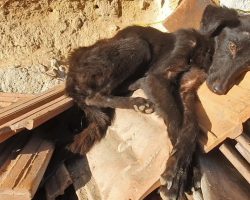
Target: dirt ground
x,y
37,35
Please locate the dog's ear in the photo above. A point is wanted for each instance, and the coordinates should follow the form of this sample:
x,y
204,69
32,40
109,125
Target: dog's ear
x,y
214,19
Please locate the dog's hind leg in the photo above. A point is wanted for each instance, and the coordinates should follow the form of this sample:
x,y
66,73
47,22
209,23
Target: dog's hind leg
x,y
175,175
162,93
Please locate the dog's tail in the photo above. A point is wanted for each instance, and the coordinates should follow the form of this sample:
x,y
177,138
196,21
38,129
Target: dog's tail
x,y
175,176
98,120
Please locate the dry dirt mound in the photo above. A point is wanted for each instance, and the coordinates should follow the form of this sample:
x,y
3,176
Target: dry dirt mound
x,y
35,31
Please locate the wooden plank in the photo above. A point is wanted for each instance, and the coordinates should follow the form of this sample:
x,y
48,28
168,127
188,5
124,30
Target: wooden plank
x,y
16,95
219,179
6,132
213,120
244,140
237,160
44,115
34,117
4,104
245,153
23,175
9,149
187,15
22,107
242,96
225,106
9,99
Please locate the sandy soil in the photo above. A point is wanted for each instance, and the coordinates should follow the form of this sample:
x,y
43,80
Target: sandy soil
x,y
37,33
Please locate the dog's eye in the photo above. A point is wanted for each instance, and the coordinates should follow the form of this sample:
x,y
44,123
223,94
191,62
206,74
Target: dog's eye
x,y
232,47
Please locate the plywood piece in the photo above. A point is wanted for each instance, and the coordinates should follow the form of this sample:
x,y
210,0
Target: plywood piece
x,y
237,160
136,158
22,107
23,174
187,15
156,185
222,116
232,106
245,83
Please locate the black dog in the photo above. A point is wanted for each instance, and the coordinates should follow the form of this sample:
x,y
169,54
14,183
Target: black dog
x,y
97,74
231,35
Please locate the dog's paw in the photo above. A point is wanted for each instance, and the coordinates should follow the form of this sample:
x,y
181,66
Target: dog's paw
x,y
143,105
172,185
173,180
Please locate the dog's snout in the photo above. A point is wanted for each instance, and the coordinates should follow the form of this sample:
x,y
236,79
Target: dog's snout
x,y
218,88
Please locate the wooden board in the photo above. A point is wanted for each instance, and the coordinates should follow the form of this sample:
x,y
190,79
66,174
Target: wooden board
x,y
244,140
17,109
220,180
20,179
187,15
30,116
138,147
222,116
244,152
237,160
6,99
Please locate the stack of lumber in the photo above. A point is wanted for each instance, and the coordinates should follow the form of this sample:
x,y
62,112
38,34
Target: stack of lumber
x,y
23,161
31,112
21,173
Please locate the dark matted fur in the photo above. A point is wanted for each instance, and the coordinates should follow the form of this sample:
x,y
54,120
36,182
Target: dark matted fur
x,y
171,84
231,35
175,103
96,74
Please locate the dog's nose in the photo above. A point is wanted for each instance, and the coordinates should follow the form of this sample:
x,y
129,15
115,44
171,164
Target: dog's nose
x,y
217,88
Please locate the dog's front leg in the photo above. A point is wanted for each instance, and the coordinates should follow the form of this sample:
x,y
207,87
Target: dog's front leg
x,y
137,103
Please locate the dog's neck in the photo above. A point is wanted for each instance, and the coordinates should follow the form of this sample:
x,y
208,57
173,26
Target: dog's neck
x,y
210,45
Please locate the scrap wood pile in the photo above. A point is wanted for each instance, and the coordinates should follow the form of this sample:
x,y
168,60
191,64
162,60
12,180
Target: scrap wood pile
x,y
22,170
31,112
136,157
130,143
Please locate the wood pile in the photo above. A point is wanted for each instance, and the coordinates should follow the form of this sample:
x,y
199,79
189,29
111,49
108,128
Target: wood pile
x,y
22,170
137,146
31,112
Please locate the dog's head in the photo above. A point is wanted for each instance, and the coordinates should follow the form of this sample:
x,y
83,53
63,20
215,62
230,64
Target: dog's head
x,y
231,33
